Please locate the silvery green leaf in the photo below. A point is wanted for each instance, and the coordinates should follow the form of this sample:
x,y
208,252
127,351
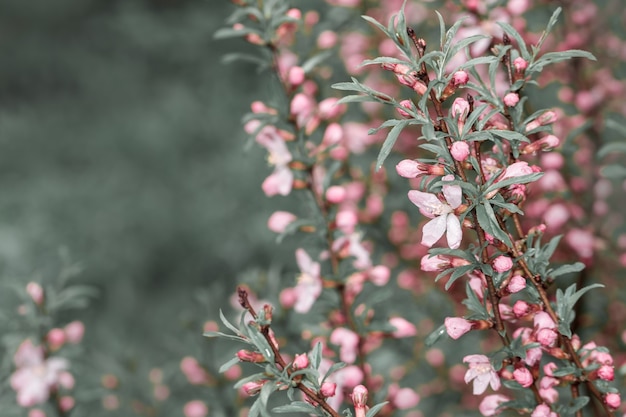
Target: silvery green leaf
x,y
375,409
297,407
551,23
567,269
435,336
228,365
510,30
315,60
378,25
611,147
225,33
613,171
316,355
554,57
522,179
385,150
334,368
228,324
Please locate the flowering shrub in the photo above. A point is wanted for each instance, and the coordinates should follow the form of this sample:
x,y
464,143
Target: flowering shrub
x,y
470,137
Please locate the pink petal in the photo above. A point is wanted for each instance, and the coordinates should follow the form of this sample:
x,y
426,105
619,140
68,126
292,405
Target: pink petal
x,y
427,203
454,233
453,194
433,230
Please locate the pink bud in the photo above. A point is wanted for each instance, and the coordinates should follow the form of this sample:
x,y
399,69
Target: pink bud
x,y
502,263
542,410
460,78
36,412
379,275
520,64
327,39
336,194
516,284
66,380
407,104
74,331
288,297
511,99
346,220
195,408
523,377
612,400
460,151
546,337
520,308
66,403
296,76
549,142
328,108
328,389
404,328
301,361
56,338
409,168
489,405
606,373
406,398
245,355
547,118
35,291
460,108
359,396
517,169
457,326
253,387
279,220
434,263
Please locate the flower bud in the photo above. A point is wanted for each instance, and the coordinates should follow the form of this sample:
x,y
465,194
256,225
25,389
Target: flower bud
x,y
248,356
606,373
359,399
35,291
613,400
328,389
253,387
279,220
520,64
409,168
300,361
516,284
511,99
407,104
457,326
502,264
336,194
460,151
404,328
523,377
195,408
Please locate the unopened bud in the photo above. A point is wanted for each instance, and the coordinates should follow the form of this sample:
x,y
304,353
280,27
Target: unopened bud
x,y
328,389
359,397
300,361
248,356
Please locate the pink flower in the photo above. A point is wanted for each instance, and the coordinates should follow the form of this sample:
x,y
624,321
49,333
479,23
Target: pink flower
x,y
606,373
520,308
511,99
36,292
404,328
516,284
502,264
482,373
348,343
405,398
523,377
195,408
279,220
489,405
460,151
309,285
409,168
457,326
520,64
460,109
442,215
301,361
35,376
328,389
612,400
355,248
543,410
281,180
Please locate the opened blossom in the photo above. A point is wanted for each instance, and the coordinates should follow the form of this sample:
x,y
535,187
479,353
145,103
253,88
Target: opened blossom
x,y
442,214
35,375
281,180
482,373
309,285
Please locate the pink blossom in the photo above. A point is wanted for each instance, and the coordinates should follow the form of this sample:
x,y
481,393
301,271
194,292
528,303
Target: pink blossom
x,y
533,356
336,194
511,99
253,387
582,241
309,285
442,215
489,405
523,377
546,389
348,343
457,326
613,400
36,292
434,263
405,398
516,284
329,109
66,403
55,338
36,412
195,408
281,180
359,399
279,220
35,375
517,169
460,151
300,361
520,64
502,264
409,168
352,243
328,389
327,39
606,373
482,373
296,76
404,328
543,410
379,275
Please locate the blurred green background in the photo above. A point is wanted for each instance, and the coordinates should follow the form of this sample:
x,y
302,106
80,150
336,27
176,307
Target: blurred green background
x,y
121,142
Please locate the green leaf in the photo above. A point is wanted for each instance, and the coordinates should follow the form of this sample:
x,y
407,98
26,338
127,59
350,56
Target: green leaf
x,y
487,221
510,30
551,23
334,368
378,25
385,150
228,324
375,409
315,60
228,365
435,336
224,335
522,179
567,269
297,407
613,171
611,147
554,57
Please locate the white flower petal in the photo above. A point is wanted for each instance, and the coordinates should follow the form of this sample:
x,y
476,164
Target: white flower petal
x,y
427,203
454,233
433,230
